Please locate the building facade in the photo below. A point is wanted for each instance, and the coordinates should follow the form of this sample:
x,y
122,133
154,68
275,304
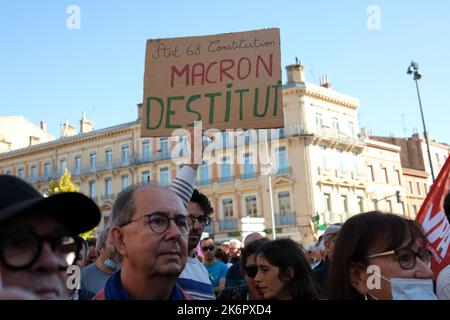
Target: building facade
x,y
324,170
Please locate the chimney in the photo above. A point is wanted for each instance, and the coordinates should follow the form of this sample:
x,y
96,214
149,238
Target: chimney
x,y
5,146
296,72
67,130
33,141
43,125
139,105
86,125
324,82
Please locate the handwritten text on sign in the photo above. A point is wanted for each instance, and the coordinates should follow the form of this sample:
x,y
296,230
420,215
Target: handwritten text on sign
x,y
226,81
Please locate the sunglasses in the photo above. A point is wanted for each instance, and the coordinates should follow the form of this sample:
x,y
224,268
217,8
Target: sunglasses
x,y
251,271
210,247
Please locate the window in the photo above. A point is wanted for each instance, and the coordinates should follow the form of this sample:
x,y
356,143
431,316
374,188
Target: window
x,y
108,158
375,204
108,187
145,176
125,154
323,157
164,176
124,182
164,146
92,161
62,165
399,180
344,199
385,173
225,167
21,173
361,204
204,172
389,206
47,169
319,122
341,156
145,145
411,187
92,189
248,163
425,187
403,208
336,128
415,210
418,188
33,171
227,207
77,164
284,202
327,202
251,209
281,156
371,173
351,129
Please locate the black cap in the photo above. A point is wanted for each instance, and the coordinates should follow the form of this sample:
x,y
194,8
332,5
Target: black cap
x,y
74,210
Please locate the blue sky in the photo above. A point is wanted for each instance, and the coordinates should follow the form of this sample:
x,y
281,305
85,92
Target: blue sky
x,y
52,73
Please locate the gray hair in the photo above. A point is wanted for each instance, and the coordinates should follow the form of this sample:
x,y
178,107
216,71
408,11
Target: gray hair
x,y
124,207
101,240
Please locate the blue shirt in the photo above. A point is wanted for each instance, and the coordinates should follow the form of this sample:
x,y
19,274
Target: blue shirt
x,y
216,272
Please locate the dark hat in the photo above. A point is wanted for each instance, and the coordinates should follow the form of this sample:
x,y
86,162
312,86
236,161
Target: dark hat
x,y
74,210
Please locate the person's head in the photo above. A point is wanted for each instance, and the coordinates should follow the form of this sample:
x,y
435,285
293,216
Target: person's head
x,y
283,272
149,228
252,237
249,268
221,256
80,260
329,239
92,252
201,213
235,248
208,250
387,244
225,246
447,206
106,251
38,236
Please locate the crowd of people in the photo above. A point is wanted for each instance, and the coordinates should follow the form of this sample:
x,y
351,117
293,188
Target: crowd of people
x,y
153,249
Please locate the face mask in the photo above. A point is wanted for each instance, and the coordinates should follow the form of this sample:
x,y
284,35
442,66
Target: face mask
x,y
112,265
410,289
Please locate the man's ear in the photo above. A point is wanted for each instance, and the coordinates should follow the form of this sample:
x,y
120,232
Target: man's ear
x,y
358,277
117,239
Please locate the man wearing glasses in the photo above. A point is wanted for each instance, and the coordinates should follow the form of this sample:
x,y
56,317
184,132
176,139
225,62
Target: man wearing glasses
x,y
38,239
217,270
195,278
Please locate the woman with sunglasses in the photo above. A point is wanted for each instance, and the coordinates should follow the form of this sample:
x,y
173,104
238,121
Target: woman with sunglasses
x,y
380,256
284,273
249,269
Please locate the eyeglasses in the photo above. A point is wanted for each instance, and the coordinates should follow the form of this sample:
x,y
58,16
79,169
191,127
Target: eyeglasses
x,y
202,220
407,257
251,271
210,248
159,222
19,250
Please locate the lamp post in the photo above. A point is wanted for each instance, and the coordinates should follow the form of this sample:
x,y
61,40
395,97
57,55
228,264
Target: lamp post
x,y
414,70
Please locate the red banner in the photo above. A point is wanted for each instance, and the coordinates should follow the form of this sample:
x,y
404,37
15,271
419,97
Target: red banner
x,y
434,221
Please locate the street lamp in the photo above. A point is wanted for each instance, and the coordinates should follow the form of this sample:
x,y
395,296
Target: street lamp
x,y
414,70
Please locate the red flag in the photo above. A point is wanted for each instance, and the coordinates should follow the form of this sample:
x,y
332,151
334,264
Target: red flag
x,y
435,224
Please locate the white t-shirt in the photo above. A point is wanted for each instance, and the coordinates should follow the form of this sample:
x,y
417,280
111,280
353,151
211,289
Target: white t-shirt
x,y
195,280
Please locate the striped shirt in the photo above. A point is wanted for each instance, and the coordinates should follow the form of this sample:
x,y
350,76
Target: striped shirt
x,y
183,184
195,281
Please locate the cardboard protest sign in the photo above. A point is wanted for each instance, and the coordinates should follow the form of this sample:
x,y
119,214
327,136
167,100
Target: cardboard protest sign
x,y
435,224
227,81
